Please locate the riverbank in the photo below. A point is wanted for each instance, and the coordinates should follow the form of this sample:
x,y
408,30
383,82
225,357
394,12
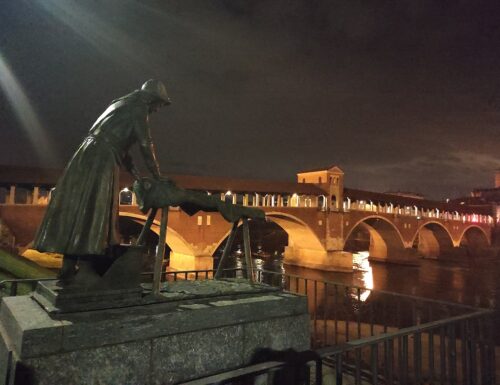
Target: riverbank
x,y
15,266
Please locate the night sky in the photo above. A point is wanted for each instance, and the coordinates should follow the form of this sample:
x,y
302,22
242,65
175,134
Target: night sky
x,y
402,95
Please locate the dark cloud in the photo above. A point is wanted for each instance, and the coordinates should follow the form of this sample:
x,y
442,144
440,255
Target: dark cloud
x,y
402,95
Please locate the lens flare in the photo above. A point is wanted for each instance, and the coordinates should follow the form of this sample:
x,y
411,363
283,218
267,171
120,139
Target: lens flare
x,y
25,113
112,42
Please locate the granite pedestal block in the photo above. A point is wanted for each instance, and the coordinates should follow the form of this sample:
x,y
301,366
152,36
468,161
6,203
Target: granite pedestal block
x,y
196,329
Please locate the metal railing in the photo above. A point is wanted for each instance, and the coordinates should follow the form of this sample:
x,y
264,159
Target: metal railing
x,y
384,337
370,336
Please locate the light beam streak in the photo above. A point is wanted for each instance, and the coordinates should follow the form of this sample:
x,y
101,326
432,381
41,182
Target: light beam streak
x,y
110,41
26,114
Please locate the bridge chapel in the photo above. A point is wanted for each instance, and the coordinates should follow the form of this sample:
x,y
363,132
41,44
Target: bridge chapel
x,y
331,180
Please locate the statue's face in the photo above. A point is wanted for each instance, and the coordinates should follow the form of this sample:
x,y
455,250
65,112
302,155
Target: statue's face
x,y
155,105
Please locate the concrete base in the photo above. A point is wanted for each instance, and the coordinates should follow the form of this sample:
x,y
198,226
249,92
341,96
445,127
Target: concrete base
x,y
320,260
55,299
203,328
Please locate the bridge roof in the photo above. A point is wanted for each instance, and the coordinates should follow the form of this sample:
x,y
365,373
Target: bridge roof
x,y
28,176
31,176
317,169
487,194
37,176
398,200
222,184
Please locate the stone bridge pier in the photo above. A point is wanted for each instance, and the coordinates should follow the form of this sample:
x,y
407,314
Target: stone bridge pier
x,y
192,240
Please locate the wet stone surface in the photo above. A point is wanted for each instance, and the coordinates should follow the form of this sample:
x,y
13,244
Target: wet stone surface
x,y
193,289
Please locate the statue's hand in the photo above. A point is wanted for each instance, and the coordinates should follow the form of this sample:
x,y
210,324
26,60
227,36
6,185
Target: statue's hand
x,y
135,174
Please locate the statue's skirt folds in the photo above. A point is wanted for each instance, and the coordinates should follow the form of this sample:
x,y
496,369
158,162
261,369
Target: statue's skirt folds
x,y
81,218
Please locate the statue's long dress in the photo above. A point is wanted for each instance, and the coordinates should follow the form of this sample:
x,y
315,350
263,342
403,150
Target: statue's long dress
x,y
81,218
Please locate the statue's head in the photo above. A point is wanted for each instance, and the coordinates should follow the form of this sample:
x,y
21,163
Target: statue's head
x,y
157,92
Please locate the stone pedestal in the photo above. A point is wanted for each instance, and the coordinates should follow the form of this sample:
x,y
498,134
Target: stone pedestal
x,y
55,299
195,329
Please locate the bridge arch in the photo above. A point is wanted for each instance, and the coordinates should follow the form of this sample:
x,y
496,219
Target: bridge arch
x,y
385,239
300,236
175,241
475,240
432,240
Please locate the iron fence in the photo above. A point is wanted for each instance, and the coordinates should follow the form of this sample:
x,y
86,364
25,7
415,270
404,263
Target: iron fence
x,y
366,336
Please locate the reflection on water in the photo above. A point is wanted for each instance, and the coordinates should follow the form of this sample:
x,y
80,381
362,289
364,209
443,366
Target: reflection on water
x,y
364,273
474,284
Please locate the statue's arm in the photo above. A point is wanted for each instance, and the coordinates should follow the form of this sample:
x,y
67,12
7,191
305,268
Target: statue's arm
x,y
146,146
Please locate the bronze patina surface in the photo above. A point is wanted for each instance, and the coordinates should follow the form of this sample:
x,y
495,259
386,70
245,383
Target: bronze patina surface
x,y
81,218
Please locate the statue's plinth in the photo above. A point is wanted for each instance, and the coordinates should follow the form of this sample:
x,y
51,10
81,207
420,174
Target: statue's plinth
x,y
195,329
55,299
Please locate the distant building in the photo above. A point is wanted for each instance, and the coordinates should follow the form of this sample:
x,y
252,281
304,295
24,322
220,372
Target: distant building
x,y
487,197
490,196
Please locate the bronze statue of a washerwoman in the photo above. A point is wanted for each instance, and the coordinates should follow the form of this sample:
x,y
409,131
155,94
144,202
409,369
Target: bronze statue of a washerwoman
x,y
81,218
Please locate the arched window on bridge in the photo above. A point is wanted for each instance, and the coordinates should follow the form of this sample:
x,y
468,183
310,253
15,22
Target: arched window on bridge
x,y
322,202
334,201
126,196
347,204
228,196
23,195
43,196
